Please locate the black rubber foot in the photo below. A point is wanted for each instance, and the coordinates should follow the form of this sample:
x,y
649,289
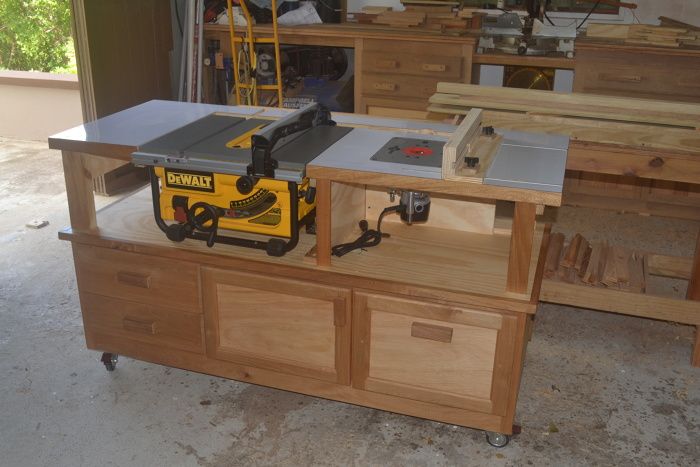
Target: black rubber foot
x,y
176,232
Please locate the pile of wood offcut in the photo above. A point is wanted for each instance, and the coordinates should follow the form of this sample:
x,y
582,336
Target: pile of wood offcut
x,y
645,34
595,264
429,15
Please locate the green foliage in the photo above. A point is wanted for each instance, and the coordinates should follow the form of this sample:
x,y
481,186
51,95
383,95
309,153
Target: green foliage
x,y
36,35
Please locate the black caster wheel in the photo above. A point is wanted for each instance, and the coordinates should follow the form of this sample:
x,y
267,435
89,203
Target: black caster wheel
x,y
109,360
276,247
497,440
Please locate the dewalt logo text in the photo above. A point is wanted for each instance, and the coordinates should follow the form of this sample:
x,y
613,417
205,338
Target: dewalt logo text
x,y
198,181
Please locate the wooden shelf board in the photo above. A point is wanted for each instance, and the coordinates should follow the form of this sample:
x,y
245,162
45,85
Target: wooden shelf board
x,y
619,301
456,262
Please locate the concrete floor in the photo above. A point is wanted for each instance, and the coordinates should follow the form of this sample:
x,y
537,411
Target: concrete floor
x,y
598,388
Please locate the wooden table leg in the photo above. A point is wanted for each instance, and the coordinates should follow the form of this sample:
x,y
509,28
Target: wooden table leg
x,y
323,222
521,240
81,201
694,294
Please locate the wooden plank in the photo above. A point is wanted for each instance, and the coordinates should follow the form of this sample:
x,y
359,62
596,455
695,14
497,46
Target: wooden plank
x,y
633,205
521,247
551,265
459,144
591,276
581,130
609,159
81,202
623,302
582,256
449,187
607,31
347,210
677,267
323,222
569,104
571,252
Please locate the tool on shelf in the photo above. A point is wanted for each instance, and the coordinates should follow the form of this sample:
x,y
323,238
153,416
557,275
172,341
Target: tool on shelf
x,y
247,92
228,173
414,206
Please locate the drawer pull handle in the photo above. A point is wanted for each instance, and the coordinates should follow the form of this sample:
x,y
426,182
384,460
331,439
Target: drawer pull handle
x,y
387,64
620,78
433,67
142,327
134,279
431,332
385,86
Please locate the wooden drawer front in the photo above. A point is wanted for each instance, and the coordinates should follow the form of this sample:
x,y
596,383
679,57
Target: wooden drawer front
x,y
280,324
408,63
401,48
638,75
399,86
145,279
145,323
435,353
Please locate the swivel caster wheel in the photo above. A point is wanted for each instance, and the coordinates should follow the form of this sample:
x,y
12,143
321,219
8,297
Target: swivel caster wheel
x,y
497,440
109,360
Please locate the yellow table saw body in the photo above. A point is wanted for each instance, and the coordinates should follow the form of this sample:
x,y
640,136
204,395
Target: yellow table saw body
x,y
265,210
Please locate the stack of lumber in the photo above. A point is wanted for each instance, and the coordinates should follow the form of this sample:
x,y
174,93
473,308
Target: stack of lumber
x,y
595,264
659,128
369,13
644,34
457,98
401,18
432,15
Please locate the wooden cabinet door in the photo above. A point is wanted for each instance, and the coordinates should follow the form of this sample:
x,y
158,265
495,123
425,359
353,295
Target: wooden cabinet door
x,y
285,325
448,355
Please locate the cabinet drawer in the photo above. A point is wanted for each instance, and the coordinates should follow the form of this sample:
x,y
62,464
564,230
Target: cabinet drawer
x,y
141,278
437,66
284,325
393,85
638,75
144,323
442,354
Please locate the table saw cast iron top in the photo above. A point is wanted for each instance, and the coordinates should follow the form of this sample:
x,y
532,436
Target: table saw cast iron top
x,y
248,175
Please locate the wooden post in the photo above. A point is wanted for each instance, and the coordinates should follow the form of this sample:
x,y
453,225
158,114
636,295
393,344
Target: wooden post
x,y
694,294
81,201
323,222
521,239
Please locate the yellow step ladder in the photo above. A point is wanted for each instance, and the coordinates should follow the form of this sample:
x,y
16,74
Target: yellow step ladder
x,y
249,89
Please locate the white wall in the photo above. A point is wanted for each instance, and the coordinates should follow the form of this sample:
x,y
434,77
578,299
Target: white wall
x,y
37,105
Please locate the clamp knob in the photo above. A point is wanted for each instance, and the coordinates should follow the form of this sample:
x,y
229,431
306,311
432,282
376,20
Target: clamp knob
x,y
245,184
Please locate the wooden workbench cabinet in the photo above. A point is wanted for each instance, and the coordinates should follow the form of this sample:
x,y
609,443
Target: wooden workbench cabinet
x,y
451,362
432,323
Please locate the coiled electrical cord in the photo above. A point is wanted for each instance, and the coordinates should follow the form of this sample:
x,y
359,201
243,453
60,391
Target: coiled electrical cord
x,y
368,238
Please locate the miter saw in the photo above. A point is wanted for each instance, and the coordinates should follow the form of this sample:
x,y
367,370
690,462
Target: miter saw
x,y
511,34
